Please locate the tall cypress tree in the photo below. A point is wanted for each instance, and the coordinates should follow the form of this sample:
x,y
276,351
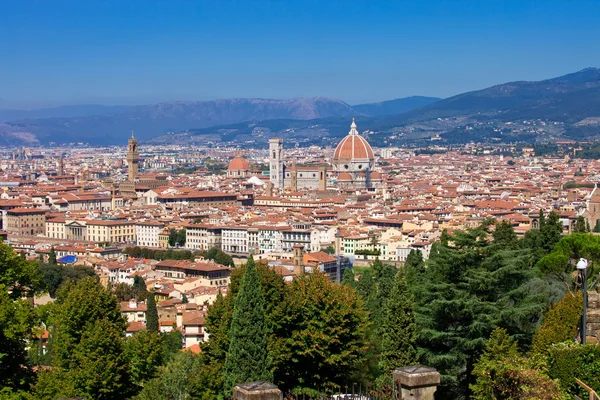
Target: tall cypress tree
x,y
398,329
52,256
151,314
248,358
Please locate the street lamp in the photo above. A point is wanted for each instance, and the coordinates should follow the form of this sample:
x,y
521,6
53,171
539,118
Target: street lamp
x,y
582,268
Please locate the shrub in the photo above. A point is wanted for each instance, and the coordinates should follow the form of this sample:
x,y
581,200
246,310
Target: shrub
x,y
560,323
567,361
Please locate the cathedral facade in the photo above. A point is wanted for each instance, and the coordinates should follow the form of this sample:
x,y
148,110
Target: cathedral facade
x,y
352,168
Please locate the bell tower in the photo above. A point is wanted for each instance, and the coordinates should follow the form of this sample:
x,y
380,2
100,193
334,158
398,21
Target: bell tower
x,y
276,162
133,158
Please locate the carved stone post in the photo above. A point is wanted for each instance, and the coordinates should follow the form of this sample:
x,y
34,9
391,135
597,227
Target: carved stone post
x,y
417,382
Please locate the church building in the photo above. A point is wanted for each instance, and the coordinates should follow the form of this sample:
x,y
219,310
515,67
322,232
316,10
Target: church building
x,y
353,167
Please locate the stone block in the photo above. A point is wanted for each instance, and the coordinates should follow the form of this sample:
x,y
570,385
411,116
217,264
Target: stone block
x,y
257,391
417,382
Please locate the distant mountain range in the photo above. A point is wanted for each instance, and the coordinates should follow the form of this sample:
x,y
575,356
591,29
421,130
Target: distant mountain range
x,y
566,107
80,110
113,126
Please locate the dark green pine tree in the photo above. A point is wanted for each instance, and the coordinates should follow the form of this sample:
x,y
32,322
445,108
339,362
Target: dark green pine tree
x,y
597,226
414,266
367,289
505,236
398,329
151,314
52,256
542,219
580,226
468,290
248,357
348,278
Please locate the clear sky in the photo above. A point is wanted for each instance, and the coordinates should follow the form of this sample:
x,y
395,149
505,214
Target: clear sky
x,y
55,52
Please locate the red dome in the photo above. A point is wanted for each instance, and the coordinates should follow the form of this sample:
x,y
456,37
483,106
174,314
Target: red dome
x,y
376,176
353,147
238,163
344,176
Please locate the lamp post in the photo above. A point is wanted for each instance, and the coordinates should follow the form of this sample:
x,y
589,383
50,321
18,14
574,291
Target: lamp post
x,y
582,268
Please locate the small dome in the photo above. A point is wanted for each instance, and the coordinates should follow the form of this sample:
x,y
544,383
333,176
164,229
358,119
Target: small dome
x,y
344,177
376,176
353,147
238,164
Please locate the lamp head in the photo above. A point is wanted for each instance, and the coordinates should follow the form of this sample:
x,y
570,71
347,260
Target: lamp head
x,y
582,264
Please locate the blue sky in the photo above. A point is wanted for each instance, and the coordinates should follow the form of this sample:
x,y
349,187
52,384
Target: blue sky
x,y
136,52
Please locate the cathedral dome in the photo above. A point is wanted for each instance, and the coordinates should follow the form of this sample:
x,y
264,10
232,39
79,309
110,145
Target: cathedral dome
x,y
238,164
353,147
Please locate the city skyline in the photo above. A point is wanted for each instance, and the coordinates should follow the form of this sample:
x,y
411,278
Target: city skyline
x,y
141,53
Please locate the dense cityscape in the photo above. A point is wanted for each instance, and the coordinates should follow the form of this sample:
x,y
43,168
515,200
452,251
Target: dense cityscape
x,y
285,200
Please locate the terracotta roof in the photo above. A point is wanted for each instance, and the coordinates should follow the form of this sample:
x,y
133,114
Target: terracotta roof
x,y
238,163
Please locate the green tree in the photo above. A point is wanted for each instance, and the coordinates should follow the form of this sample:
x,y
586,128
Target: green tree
x,y
597,226
560,323
248,356
171,381
499,347
502,373
79,305
348,278
16,323
123,291
398,329
52,256
329,250
55,275
173,237
320,335
469,289
580,226
505,236
171,344
19,279
139,288
366,287
144,353
151,314
184,299
98,367
414,266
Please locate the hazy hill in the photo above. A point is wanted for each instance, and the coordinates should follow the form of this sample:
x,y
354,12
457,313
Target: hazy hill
x,y
152,120
62,111
396,106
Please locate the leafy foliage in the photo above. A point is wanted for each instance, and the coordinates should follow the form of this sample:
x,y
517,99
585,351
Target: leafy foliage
x,y
470,287
567,361
176,237
320,335
144,352
219,256
560,323
398,330
79,305
153,254
502,373
55,275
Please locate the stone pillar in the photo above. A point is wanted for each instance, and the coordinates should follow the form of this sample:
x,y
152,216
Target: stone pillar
x,y
417,382
257,391
593,318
